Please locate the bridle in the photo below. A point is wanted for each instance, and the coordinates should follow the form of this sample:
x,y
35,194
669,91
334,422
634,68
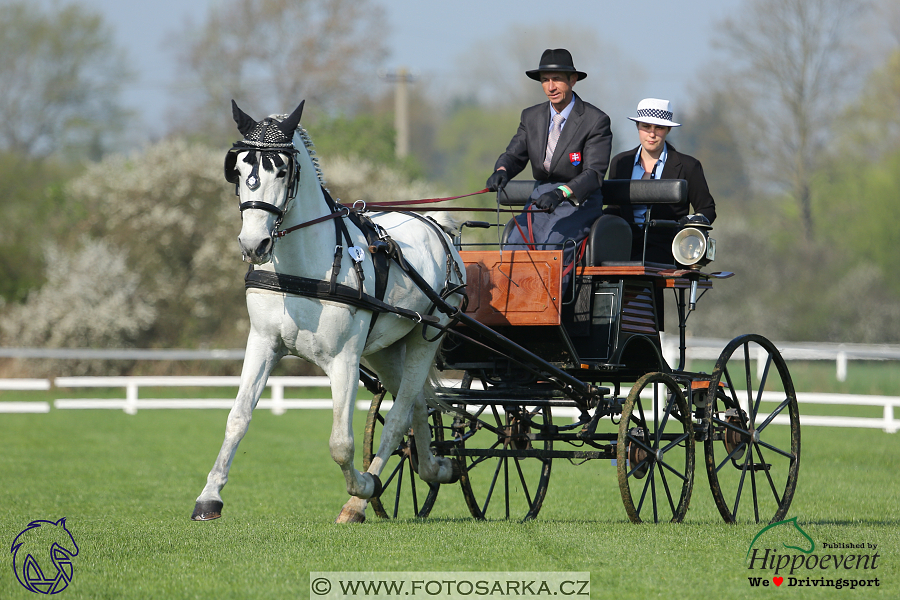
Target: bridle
x,y
262,155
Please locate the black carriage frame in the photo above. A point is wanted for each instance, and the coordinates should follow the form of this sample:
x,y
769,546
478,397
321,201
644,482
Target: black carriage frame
x,y
608,336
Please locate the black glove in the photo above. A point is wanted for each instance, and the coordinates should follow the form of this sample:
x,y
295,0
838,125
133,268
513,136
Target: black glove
x,y
550,200
696,219
498,180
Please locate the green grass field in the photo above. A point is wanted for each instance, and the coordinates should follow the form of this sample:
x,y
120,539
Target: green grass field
x,y
127,486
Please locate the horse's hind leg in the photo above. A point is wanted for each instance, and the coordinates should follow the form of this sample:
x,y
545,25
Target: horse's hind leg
x,y
416,359
258,363
432,469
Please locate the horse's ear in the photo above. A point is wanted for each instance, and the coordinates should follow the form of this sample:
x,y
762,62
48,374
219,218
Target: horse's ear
x,y
245,123
288,126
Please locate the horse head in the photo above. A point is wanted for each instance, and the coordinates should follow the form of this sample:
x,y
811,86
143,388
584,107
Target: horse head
x,y
265,169
40,545
788,534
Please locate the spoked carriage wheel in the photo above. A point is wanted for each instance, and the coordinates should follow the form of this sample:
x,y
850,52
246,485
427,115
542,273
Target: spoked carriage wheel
x,y
504,474
404,495
655,451
752,451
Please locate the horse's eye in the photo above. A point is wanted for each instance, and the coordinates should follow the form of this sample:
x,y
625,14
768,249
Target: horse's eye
x,y
280,174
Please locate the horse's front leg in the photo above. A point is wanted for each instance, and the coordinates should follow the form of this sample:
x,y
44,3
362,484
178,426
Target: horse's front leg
x,y
260,358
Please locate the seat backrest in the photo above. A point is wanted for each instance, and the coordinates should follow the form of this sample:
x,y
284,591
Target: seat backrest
x,y
615,191
608,241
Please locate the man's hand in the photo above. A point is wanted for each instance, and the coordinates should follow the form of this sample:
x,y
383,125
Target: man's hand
x,y
550,200
498,180
696,219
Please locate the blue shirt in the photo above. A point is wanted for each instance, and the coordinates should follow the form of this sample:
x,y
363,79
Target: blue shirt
x,y
565,114
640,210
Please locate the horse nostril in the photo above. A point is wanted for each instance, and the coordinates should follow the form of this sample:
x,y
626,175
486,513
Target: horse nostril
x,y
264,247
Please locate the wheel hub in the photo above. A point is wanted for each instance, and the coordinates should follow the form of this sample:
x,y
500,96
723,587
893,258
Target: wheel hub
x,y
636,454
516,433
733,438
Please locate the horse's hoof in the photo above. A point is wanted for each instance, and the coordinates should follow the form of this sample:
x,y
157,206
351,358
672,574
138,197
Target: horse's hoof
x,y
349,515
207,510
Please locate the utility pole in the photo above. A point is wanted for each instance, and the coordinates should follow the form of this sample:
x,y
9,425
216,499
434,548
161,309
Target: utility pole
x,y
400,78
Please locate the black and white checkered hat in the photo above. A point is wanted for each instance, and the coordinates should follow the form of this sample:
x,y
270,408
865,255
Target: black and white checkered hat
x,y
655,112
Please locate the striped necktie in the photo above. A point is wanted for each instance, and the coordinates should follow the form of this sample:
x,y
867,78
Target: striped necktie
x,y
555,131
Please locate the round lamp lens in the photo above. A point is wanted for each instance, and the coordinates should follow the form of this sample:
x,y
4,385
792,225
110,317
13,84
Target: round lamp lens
x,y
691,248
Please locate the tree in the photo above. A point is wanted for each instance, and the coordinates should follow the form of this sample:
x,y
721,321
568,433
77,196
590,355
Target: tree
x,y
470,141
790,60
858,186
62,74
78,308
271,54
707,136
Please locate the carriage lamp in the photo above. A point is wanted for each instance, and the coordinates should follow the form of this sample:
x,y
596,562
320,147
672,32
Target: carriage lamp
x,y
693,248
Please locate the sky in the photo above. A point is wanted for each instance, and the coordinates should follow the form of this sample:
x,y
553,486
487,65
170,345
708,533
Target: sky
x,y
666,42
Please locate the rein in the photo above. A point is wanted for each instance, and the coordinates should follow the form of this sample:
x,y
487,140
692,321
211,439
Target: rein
x,y
334,215
393,206
427,200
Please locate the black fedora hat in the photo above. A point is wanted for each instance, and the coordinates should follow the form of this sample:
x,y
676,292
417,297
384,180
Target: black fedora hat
x,y
559,60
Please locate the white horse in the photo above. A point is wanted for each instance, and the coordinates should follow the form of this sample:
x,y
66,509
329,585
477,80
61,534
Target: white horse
x,y
329,333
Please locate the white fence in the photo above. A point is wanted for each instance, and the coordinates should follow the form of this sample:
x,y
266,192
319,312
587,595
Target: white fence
x,y
132,403
278,404
24,384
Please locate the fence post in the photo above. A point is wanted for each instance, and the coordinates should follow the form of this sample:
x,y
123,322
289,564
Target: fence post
x,y
277,397
841,365
889,425
761,355
131,397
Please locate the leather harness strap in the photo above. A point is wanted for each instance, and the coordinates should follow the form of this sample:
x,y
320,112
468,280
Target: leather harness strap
x,y
317,288
384,251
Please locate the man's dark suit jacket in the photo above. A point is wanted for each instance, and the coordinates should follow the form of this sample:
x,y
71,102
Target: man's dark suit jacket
x,y
678,166
586,131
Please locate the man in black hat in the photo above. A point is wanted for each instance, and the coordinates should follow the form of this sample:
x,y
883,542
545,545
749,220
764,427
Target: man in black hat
x,y
568,143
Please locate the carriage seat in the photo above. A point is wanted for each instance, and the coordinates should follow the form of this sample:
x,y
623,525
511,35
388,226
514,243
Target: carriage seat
x,y
610,239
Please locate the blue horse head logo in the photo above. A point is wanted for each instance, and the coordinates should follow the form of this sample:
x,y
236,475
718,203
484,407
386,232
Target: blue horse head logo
x,y
42,556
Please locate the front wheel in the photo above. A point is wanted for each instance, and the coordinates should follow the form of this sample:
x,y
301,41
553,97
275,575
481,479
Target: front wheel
x,y
504,458
752,453
655,451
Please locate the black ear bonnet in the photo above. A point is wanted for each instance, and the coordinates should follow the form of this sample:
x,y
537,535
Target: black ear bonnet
x,y
264,141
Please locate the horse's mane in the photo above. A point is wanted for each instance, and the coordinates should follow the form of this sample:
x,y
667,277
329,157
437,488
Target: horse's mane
x,y
310,149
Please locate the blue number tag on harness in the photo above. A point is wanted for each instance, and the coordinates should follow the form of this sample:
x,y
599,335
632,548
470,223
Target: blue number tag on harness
x,y
356,253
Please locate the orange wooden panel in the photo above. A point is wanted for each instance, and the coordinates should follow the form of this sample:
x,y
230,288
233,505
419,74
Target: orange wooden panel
x,y
517,287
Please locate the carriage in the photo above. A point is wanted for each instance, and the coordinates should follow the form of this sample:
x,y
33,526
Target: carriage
x,y
527,351
530,370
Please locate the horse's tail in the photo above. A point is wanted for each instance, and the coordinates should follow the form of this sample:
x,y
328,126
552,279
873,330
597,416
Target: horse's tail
x,y
446,221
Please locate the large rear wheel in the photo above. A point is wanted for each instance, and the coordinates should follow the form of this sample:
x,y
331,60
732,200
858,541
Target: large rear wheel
x,y
753,432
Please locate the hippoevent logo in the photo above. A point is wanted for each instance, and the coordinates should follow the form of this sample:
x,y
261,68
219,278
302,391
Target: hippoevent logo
x,y
42,556
783,554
